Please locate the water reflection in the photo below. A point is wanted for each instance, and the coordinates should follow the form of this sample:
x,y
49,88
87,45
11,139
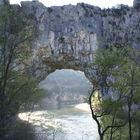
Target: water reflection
x,y
71,123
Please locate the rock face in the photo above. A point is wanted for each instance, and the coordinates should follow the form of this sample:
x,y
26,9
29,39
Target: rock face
x,y
2,2
69,35
136,3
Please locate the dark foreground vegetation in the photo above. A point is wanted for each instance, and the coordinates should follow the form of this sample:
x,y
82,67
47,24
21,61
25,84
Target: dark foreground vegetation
x,y
18,90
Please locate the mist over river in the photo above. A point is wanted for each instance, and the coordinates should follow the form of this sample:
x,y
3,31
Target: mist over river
x,y
68,123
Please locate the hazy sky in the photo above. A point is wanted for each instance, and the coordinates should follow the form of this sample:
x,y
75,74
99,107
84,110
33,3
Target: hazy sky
x,y
100,3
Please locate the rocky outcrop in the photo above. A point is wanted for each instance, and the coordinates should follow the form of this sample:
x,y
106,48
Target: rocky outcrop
x,y
3,2
66,39
68,36
122,26
136,3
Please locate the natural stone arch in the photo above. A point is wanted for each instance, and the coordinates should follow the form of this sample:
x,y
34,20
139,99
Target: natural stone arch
x,y
66,52
67,35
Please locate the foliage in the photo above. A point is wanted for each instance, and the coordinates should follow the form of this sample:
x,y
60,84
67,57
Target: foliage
x,y
17,88
117,74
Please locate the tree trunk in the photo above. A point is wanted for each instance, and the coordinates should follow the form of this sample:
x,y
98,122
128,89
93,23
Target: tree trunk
x,y
111,131
129,121
101,135
2,127
130,100
139,134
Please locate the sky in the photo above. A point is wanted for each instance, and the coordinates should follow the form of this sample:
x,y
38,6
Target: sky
x,y
100,3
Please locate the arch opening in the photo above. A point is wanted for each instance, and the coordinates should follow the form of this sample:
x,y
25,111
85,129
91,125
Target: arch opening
x,y
64,113
65,87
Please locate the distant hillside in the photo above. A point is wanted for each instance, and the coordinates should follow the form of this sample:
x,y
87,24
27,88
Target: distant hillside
x,y
66,87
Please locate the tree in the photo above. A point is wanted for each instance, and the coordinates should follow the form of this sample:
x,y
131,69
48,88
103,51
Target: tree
x,y
106,113
129,78
17,88
105,62
117,74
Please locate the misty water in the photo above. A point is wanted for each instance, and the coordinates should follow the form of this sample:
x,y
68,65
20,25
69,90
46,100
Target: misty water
x,y
72,121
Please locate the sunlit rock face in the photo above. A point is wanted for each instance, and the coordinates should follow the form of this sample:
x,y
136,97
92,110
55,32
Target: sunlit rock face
x,y
68,36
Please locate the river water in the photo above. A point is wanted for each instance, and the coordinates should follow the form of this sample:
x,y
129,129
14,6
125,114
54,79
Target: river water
x,y
68,123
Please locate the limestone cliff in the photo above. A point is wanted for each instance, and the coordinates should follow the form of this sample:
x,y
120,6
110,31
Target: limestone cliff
x,y
69,35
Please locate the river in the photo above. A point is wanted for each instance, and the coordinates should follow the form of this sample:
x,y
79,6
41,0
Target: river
x,y
68,123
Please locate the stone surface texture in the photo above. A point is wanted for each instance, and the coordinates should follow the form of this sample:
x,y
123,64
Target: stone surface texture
x,y
68,36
